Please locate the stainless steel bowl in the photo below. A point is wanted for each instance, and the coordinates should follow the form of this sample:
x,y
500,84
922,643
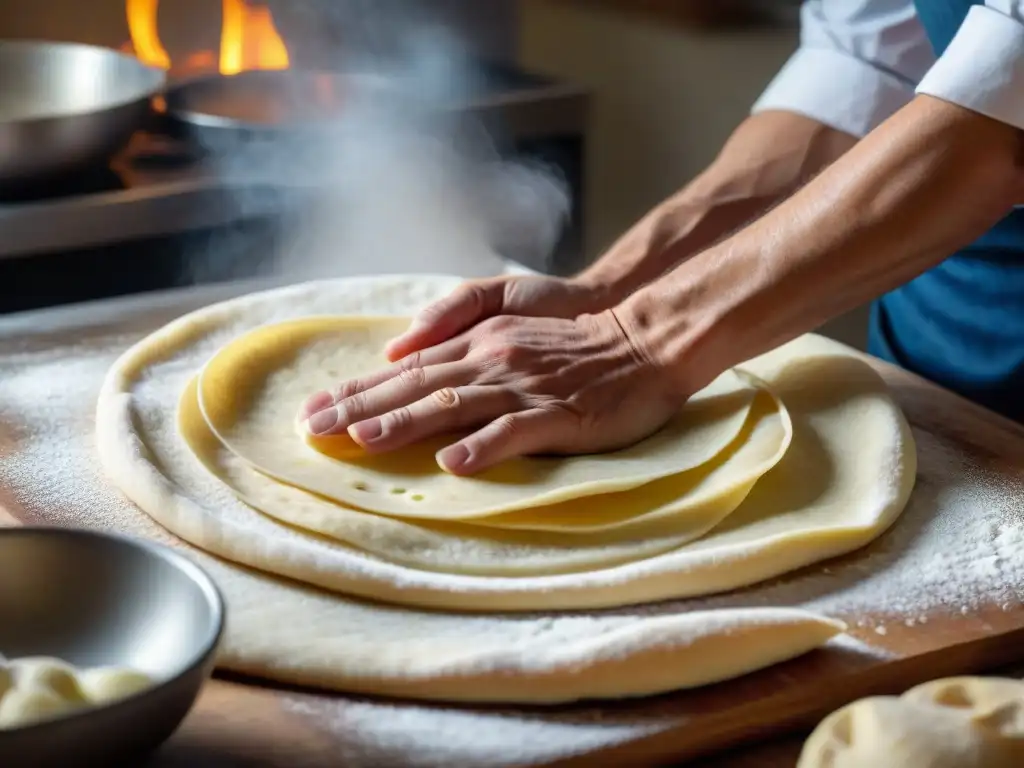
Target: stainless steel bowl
x,y
94,599
64,106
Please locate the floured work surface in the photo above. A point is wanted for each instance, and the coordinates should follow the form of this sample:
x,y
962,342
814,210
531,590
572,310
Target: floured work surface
x,y
939,594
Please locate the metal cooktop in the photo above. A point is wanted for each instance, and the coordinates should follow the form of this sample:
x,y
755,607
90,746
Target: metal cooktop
x,y
160,186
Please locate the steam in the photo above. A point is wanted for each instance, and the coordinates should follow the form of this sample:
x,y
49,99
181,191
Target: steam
x,y
400,182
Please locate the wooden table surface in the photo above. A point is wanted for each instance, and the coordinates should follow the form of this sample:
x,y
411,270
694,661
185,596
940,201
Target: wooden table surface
x,y
245,723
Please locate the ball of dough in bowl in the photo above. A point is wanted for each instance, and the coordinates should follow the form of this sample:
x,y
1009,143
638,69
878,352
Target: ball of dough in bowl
x,y
104,685
967,722
24,706
44,673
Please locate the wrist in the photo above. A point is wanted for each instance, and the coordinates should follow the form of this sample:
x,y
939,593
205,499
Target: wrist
x,y
671,330
650,248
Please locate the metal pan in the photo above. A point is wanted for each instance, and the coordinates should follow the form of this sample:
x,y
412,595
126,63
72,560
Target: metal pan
x,y
66,106
221,113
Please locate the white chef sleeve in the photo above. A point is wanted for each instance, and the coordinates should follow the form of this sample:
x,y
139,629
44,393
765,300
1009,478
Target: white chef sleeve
x,y
982,69
858,62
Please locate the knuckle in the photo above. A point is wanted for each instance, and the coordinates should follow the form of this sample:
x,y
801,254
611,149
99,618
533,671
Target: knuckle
x,y
412,377
507,425
576,419
346,390
398,419
487,369
506,353
563,409
498,352
473,295
410,362
447,398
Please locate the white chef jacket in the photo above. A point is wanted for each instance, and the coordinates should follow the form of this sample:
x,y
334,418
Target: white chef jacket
x,y
859,61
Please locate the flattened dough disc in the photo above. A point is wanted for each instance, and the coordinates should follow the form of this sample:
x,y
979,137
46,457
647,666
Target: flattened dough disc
x,y
453,547
845,478
251,390
282,630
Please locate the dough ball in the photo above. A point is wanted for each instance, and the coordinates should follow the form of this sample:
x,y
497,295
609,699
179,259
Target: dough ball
x,y
998,701
951,723
40,688
47,673
24,706
103,685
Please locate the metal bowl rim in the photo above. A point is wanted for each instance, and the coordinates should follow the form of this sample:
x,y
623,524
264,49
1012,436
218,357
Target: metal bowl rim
x,y
199,576
144,95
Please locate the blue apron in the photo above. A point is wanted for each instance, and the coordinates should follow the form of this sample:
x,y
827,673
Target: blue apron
x,y
961,324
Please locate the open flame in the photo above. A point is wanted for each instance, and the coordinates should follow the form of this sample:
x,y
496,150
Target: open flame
x,y
249,39
143,30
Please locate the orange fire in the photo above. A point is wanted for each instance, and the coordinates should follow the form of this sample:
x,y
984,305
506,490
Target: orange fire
x,y
145,38
249,39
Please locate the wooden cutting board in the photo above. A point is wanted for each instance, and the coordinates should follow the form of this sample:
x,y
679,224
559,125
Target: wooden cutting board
x,y
253,724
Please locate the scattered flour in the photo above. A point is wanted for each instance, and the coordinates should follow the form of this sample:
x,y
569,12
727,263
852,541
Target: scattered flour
x,y
50,474
958,546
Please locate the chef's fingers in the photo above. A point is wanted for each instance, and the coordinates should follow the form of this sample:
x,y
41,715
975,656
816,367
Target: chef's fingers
x,y
444,353
315,404
514,434
445,410
467,305
407,386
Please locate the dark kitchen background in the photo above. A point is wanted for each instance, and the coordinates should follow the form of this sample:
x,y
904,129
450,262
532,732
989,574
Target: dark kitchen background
x,y
628,99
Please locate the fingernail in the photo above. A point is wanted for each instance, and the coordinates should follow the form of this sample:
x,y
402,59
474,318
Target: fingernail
x,y
316,403
453,457
323,421
367,431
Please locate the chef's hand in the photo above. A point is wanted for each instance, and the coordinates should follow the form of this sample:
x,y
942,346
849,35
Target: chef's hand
x,y
477,300
526,385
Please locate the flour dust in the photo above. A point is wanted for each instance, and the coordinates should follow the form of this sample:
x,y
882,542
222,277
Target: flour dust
x,y
403,181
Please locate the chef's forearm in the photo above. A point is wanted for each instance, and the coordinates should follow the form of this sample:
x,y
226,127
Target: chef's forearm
x,y
928,181
766,159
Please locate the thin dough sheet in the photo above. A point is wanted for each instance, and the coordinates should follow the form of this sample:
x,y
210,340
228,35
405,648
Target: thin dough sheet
x,y
701,499
251,390
280,629
846,476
